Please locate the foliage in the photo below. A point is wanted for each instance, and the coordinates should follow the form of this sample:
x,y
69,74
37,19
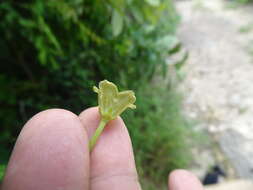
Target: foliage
x,y
159,132
244,1
53,52
4,157
2,170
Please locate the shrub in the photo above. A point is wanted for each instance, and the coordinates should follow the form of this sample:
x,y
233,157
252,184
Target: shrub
x,y
243,1
159,133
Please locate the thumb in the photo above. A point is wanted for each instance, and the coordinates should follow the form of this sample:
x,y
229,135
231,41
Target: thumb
x,y
182,179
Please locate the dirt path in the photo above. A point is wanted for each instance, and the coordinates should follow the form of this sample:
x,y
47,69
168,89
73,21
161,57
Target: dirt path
x,y
219,82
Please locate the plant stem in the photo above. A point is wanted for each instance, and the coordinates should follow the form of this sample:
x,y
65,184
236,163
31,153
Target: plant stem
x,y
97,133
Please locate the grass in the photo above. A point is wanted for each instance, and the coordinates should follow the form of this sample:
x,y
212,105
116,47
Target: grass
x,y
159,134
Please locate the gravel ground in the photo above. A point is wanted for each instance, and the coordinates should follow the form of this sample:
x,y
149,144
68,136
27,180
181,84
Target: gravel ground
x,y
219,82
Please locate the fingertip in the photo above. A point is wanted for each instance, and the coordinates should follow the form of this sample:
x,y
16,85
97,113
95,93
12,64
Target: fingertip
x,y
112,160
90,119
182,179
48,154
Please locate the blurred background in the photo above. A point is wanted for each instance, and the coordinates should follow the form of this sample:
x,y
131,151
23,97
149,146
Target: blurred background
x,y
189,62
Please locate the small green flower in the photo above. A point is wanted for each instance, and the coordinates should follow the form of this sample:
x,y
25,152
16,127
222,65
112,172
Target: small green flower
x,y
111,102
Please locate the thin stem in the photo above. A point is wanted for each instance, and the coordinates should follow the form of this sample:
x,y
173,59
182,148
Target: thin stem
x,y
97,133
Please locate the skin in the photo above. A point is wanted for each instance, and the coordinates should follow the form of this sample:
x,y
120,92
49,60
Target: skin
x,y
52,153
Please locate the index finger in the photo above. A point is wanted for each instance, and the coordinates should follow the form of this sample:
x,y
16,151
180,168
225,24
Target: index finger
x,y
182,179
112,161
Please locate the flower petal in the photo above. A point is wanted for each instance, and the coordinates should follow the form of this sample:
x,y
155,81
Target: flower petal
x,y
125,99
111,102
108,92
95,89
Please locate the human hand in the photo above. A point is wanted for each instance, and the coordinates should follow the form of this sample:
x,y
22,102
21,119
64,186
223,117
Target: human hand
x,y
52,153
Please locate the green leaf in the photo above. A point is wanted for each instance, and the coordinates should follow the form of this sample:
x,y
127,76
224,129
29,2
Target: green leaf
x,y
154,3
175,49
119,4
2,171
137,14
167,42
117,23
181,62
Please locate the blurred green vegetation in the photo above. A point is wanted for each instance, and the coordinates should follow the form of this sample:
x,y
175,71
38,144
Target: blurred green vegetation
x,y
158,133
53,52
238,2
244,1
